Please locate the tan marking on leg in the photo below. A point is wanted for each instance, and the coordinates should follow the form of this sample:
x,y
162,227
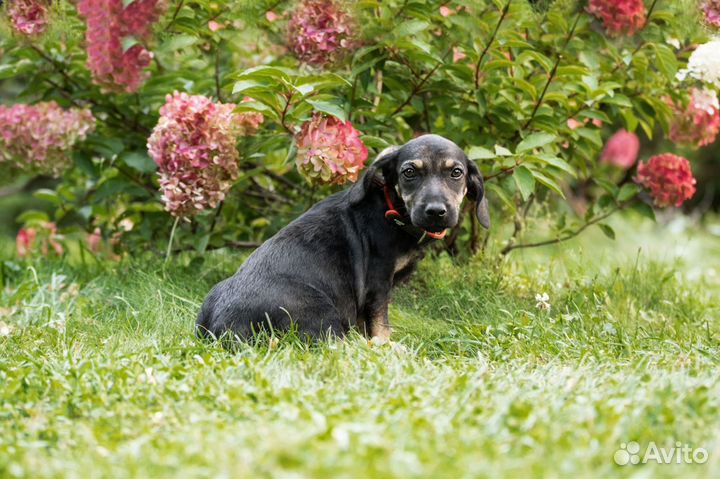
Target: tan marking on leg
x,y
379,325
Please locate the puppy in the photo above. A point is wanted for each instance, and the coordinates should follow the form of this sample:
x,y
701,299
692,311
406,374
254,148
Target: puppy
x,y
333,268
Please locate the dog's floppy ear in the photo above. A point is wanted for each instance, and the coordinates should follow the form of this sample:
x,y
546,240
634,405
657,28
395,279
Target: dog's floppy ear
x,y
385,161
476,192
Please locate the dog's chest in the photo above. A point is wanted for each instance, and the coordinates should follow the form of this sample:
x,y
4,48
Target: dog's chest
x,y
405,260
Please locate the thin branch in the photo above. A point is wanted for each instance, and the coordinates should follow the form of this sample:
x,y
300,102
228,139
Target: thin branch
x,y
284,113
218,210
504,170
508,248
426,113
111,108
519,220
175,14
553,72
11,190
490,42
419,85
378,88
218,93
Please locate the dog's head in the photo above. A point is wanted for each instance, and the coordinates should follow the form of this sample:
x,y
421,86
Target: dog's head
x,y
432,175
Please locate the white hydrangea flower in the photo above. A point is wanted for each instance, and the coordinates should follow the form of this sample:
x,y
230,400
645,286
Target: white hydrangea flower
x,y
673,42
704,64
706,100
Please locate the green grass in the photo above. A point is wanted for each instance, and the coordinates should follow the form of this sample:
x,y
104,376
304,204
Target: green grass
x,y
100,374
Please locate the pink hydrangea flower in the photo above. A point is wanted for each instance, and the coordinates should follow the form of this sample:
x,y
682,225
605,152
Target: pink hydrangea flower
x,y
457,55
25,241
711,9
193,145
619,17
94,240
108,23
621,149
39,137
446,11
39,239
271,16
698,124
669,179
320,32
28,17
249,122
572,123
330,150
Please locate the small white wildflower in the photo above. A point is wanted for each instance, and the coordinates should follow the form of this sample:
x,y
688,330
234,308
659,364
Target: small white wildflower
x,y
673,42
147,377
5,329
704,64
608,328
543,301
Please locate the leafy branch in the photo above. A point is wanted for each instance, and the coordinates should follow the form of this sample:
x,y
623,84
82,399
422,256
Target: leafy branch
x,y
503,14
418,86
571,234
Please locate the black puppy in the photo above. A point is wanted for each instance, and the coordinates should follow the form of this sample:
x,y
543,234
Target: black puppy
x,y
332,269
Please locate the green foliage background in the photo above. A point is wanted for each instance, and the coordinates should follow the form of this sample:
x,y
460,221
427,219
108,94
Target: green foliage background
x,y
529,67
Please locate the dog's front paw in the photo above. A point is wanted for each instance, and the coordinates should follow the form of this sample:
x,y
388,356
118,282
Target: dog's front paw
x,y
376,341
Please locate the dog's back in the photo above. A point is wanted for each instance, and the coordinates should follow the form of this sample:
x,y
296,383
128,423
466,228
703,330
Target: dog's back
x,y
297,277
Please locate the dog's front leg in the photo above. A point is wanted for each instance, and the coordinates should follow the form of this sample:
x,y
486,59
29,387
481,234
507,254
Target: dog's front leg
x,y
377,324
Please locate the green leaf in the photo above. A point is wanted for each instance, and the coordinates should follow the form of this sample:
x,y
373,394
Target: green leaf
x,y
139,161
30,216
557,162
410,28
374,141
177,42
619,100
202,243
497,191
502,151
242,85
14,69
48,195
535,140
591,135
525,181
480,153
628,191
549,182
609,232
607,186
330,108
644,209
666,61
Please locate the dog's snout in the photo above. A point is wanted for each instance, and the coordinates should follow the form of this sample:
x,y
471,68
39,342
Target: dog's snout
x,y
437,210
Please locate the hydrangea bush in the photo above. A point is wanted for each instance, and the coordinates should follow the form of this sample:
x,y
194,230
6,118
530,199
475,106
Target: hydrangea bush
x,y
235,116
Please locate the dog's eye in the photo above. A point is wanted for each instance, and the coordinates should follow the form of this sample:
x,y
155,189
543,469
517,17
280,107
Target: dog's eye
x,y
456,173
409,173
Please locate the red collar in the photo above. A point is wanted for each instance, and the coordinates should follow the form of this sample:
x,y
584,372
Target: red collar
x,y
403,220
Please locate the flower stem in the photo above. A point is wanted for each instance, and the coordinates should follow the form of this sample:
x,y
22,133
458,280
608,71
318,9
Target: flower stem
x,y
170,241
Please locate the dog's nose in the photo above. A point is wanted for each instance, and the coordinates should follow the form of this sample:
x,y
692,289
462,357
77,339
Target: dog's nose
x,y
435,210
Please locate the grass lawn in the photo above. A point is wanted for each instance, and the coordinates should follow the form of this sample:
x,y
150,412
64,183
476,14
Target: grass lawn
x,y
100,374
